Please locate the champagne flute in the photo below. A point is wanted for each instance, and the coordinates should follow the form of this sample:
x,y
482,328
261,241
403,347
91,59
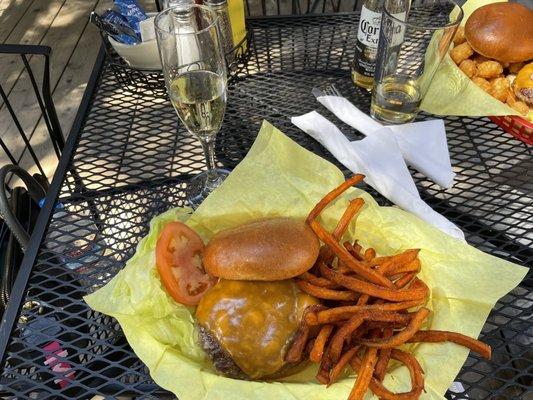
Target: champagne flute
x,y
192,57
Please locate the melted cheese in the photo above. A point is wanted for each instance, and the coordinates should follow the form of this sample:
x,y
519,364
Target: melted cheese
x,y
254,321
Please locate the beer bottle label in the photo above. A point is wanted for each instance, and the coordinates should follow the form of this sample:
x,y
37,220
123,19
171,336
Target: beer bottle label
x,y
367,42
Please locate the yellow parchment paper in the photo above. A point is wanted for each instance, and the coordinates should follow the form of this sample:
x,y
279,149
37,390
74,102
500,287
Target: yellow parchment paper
x,y
451,92
278,177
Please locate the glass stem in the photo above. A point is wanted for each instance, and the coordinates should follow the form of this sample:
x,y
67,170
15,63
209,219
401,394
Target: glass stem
x,y
208,145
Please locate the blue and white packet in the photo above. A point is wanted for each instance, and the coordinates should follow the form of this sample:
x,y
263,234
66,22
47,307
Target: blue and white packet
x,y
133,13
118,27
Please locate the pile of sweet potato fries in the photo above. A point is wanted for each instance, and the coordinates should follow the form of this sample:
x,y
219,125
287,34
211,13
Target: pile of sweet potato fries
x,y
371,306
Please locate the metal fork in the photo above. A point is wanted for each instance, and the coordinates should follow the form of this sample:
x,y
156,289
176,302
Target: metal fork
x,y
329,90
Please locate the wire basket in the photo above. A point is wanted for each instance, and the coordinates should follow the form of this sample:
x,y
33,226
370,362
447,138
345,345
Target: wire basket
x,y
519,127
138,80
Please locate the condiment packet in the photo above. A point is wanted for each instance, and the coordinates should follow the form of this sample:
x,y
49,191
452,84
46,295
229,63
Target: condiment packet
x,y
116,25
133,13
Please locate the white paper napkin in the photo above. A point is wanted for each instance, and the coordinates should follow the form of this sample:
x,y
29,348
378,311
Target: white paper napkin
x,y
147,28
423,144
378,157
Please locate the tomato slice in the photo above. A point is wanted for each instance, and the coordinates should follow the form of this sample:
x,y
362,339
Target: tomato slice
x,y
178,255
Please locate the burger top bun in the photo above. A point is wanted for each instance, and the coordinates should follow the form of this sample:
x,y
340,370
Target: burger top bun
x,y
264,250
501,31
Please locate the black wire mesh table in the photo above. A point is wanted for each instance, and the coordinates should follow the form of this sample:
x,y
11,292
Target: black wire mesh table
x,y
127,160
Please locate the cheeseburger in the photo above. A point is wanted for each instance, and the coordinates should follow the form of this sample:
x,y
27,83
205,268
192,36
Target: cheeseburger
x,y
502,32
495,50
248,319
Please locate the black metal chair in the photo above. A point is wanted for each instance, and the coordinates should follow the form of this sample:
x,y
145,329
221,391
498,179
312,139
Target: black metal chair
x,y
43,97
18,206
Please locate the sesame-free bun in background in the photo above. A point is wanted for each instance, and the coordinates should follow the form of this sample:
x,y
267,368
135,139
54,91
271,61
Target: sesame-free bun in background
x,y
501,31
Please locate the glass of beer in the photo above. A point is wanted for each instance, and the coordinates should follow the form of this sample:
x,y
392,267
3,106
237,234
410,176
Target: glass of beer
x,y
414,38
194,67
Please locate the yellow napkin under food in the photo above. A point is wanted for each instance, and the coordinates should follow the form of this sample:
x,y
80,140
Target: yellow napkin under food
x,y
451,92
278,177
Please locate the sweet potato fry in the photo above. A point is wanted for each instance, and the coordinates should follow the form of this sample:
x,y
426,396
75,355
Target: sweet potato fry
x,y
325,366
397,259
342,334
405,280
363,330
310,319
369,254
322,204
383,358
320,342
345,331
339,367
380,261
295,352
318,281
411,266
346,312
403,336
415,371
347,258
324,293
353,208
347,303
383,267
343,269
323,376
325,255
383,325
354,250
308,347
363,300
417,291
348,246
433,336
368,299
387,316
364,375
356,246
309,316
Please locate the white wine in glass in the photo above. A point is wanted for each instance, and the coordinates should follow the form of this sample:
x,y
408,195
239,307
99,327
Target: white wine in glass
x,y
199,97
396,99
192,57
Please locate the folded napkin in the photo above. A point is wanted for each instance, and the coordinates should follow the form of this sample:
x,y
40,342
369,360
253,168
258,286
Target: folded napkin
x,y
423,144
379,158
